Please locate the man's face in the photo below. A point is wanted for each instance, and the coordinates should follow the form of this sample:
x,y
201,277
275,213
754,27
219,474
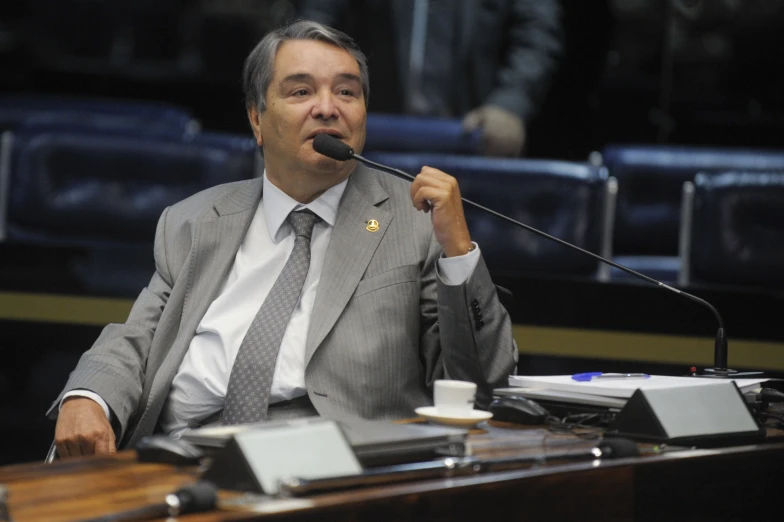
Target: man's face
x,y
315,88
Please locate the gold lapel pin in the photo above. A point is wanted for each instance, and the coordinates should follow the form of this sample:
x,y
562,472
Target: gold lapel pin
x,y
372,225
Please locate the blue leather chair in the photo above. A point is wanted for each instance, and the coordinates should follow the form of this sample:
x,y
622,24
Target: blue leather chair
x,y
22,112
102,194
736,230
650,178
564,199
398,133
88,189
648,211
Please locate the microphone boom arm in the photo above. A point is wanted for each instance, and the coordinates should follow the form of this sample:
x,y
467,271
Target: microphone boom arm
x,y
334,148
720,348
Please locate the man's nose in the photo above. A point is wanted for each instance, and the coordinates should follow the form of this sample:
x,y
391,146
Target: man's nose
x,y
324,106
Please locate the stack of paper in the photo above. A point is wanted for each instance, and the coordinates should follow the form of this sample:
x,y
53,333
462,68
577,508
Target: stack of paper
x,y
619,387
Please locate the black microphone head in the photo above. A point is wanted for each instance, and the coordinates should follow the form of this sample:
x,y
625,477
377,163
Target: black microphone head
x,y
198,497
332,147
618,448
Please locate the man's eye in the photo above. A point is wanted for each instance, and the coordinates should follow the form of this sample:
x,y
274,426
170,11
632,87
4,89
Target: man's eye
x,y
301,92
346,92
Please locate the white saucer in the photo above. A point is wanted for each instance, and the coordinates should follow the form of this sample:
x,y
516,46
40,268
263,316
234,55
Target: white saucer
x,y
431,414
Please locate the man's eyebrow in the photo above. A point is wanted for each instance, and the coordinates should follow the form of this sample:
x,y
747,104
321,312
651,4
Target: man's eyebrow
x,y
298,77
307,77
350,77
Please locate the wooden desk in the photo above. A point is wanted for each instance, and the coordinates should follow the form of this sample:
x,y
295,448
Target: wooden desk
x,y
738,483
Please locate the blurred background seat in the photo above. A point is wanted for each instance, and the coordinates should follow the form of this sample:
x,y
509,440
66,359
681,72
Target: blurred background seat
x,y
401,133
650,178
101,195
99,114
737,230
565,199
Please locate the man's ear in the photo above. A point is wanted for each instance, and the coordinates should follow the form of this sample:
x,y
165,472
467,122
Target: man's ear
x,y
255,122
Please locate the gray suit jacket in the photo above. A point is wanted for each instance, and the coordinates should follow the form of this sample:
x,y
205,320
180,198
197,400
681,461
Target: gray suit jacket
x,y
383,326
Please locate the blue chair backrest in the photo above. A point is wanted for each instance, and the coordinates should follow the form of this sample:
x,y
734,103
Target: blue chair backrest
x,y
21,112
561,198
738,228
397,133
97,189
650,179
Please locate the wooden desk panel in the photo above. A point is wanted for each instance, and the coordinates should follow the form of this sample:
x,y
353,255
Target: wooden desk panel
x,y
87,487
701,484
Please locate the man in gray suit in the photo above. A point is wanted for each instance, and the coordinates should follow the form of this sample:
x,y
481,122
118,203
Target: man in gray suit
x,y
336,289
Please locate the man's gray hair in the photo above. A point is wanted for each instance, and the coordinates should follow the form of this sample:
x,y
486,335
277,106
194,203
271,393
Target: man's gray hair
x,y
260,63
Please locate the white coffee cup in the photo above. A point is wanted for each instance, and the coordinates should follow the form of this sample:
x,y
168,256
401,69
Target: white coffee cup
x,y
454,398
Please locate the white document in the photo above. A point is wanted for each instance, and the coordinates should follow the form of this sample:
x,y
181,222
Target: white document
x,y
547,394
620,387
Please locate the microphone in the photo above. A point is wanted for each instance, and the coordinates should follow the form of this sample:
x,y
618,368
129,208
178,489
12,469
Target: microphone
x,y
613,448
194,498
334,148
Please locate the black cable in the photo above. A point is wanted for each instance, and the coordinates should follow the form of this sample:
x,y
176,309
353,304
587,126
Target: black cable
x,y
567,426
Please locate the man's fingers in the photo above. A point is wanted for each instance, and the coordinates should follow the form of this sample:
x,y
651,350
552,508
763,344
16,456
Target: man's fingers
x,y
74,449
87,446
431,177
82,429
473,120
105,445
62,450
503,133
102,446
112,441
424,196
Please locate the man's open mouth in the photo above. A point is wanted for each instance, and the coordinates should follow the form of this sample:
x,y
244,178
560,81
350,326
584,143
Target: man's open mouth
x,y
331,132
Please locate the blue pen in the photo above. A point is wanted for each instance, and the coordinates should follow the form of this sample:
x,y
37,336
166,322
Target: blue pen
x,y
589,376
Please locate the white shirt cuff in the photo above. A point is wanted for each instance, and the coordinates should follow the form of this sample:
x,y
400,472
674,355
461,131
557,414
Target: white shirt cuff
x,y
455,271
90,395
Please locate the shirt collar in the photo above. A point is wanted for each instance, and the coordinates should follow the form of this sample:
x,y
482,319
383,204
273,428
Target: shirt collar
x,y
278,205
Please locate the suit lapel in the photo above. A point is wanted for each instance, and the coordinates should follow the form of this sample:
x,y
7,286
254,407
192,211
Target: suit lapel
x,y
351,247
217,237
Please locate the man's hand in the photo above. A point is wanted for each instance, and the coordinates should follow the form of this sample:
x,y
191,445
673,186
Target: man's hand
x,y
503,133
82,429
437,191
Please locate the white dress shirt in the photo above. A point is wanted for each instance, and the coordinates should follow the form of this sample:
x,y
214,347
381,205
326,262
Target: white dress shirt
x,y
199,387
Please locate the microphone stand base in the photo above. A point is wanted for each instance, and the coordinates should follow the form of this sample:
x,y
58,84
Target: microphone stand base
x,y
726,373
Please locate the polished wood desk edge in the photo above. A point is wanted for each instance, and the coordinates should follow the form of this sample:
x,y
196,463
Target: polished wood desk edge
x,y
572,467
125,460
36,469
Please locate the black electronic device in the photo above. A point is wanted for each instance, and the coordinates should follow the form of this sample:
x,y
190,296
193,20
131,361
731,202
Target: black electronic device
x,y
332,147
375,443
167,450
518,410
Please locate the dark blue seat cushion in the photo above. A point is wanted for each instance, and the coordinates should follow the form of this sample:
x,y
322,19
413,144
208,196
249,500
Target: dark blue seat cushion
x,y
561,198
738,228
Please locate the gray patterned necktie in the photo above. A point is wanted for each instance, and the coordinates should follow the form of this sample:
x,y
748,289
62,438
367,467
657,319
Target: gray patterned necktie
x,y
247,396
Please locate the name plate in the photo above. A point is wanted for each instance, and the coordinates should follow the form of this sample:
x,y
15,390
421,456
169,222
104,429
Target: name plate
x,y
711,415
258,459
